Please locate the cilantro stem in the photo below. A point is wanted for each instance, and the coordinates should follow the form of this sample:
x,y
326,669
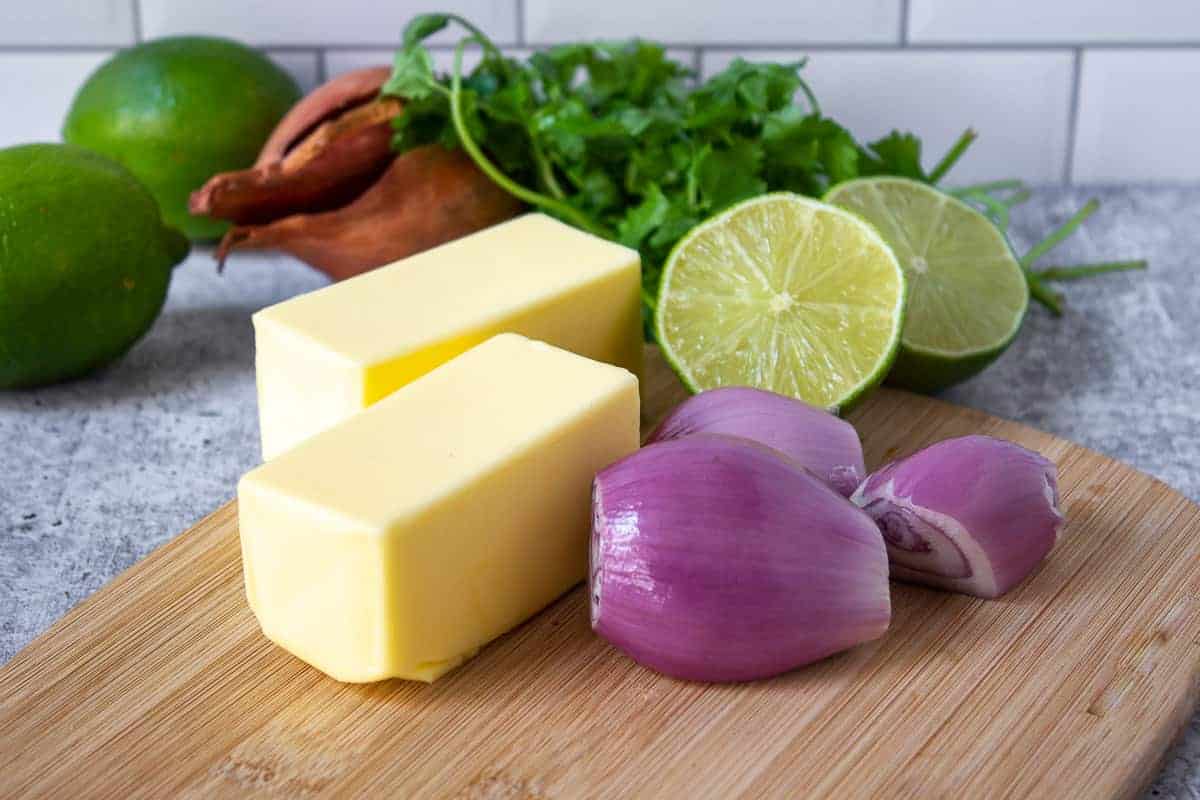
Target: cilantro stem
x,y
996,209
813,105
990,186
542,201
953,155
1017,198
1055,238
477,35
1043,294
649,300
1075,272
545,168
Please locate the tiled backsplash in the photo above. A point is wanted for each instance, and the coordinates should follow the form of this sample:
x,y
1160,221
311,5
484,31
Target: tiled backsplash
x,y
1076,90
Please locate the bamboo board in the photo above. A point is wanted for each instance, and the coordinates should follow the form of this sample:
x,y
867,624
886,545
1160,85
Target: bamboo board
x,y
1072,686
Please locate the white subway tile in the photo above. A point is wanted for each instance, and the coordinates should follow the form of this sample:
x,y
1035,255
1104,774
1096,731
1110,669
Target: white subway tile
x,y
1039,21
716,21
300,64
1137,121
103,22
339,61
310,22
49,82
1017,101
43,94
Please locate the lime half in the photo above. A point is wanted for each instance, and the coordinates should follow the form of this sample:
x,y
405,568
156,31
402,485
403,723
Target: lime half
x,y
784,293
966,292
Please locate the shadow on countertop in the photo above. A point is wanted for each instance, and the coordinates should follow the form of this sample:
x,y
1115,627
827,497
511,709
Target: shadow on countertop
x,y
191,351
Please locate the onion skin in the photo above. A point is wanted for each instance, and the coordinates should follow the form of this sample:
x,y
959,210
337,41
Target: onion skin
x,y
813,437
714,558
328,188
325,151
327,101
426,197
973,514
331,167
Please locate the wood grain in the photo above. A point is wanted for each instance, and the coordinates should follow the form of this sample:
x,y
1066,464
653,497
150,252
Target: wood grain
x,y
1072,686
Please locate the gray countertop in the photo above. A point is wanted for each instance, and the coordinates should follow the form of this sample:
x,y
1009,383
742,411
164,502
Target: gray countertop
x,y
98,472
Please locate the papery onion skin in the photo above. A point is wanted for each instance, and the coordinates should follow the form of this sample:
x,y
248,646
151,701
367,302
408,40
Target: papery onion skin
x,y
302,168
715,558
811,436
974,514
426,197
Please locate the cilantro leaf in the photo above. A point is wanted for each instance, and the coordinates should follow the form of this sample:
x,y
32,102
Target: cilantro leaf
x,y
725,175
609,136
895,154
425,121
807,152
412,67
422,26
412,74
644,218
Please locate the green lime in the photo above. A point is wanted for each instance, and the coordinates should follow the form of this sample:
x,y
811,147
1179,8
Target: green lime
x,y
84,262
784,293
177,111
966,291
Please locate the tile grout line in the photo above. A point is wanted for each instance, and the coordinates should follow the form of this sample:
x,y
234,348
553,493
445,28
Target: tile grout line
x,y
749,47
698,63
904,9
138,31
322,67
1068,174
519,9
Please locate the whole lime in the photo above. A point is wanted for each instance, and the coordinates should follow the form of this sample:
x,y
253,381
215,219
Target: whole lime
x,y
177,111
85,261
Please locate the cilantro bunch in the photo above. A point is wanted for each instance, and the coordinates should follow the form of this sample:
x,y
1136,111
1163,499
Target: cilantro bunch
x,y
617,139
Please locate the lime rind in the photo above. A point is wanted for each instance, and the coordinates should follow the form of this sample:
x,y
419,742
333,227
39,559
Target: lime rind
x,y
807,352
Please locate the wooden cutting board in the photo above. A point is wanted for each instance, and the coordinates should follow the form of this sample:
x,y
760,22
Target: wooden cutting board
x,y
1072,686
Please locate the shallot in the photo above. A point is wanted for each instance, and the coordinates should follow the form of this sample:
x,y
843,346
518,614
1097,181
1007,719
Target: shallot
x,y
328,188
973,514
812,436
715,558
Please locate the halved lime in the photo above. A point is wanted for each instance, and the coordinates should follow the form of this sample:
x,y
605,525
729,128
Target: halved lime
x,y
784,293
966,292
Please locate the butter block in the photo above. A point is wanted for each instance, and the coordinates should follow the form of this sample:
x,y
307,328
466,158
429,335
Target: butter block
x,y
326,355
400,541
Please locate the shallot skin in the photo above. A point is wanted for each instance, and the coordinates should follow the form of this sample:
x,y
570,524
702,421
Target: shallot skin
x,y
426,197
327,100
812,436
328,188
302,168
714,558
973,514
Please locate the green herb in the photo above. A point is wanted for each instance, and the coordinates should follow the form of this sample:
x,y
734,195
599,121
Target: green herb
x,y
998,198
613,137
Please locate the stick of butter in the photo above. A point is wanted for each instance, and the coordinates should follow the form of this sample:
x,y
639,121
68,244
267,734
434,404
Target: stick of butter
x,y
323,356
398,542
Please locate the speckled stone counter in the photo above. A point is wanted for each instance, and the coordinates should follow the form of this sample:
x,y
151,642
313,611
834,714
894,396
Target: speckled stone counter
x,y
96,473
